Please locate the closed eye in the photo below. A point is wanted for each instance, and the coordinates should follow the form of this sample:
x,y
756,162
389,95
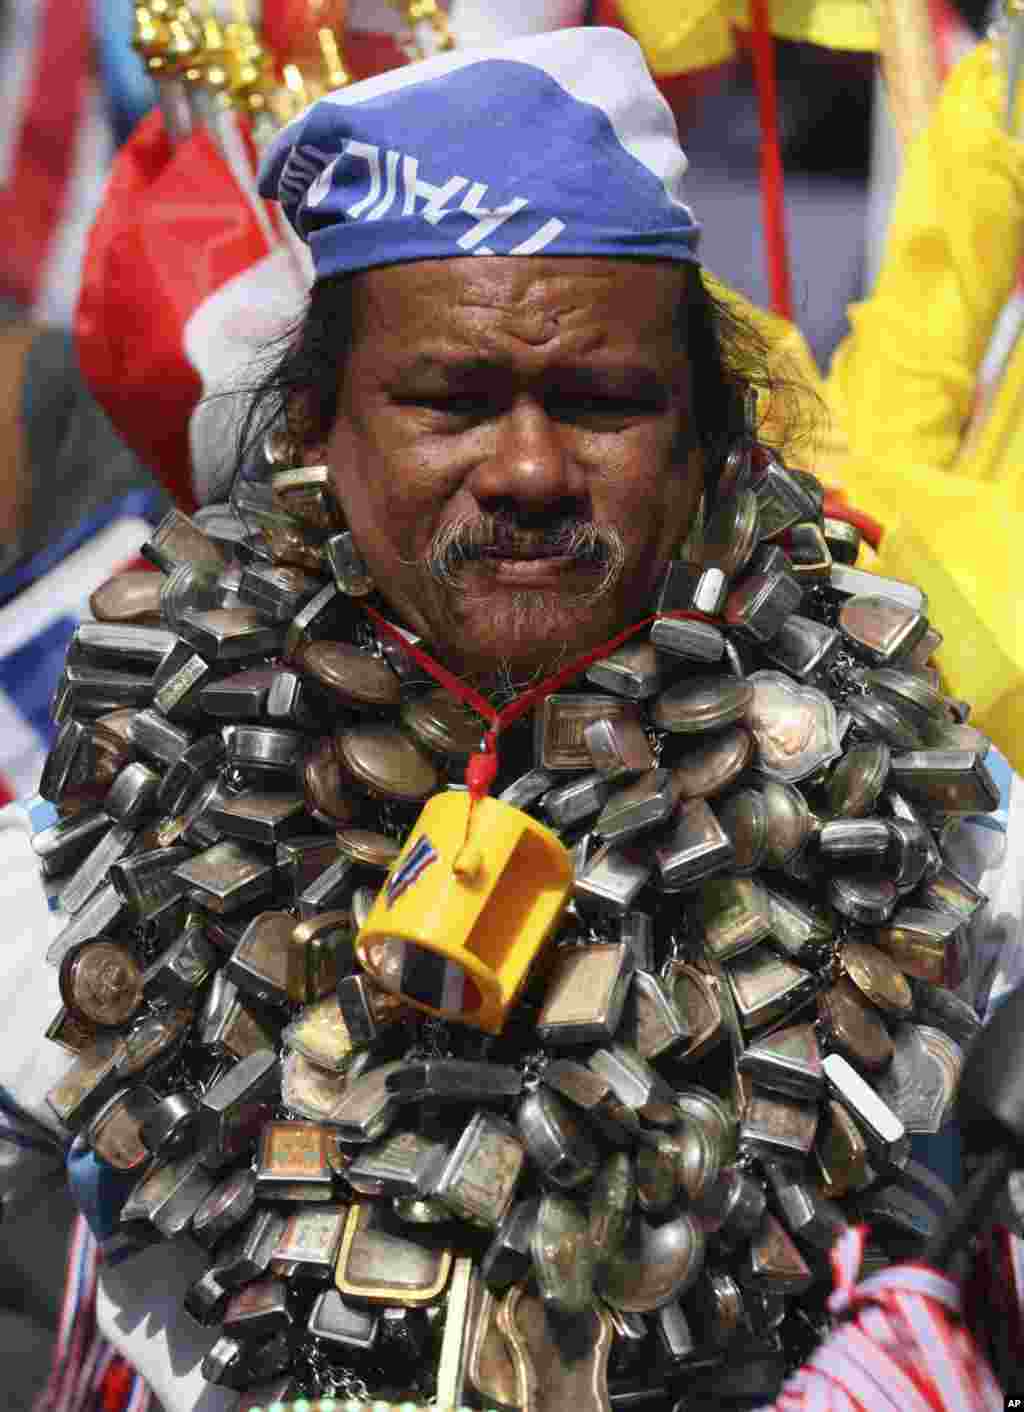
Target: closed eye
x,y
460,406
571,407
562,409
450,405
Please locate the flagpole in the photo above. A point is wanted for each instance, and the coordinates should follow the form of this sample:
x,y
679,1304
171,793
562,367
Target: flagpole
x,y
773,206
910,65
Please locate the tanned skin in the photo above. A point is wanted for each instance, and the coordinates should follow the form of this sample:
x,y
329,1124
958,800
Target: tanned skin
x,y
521,398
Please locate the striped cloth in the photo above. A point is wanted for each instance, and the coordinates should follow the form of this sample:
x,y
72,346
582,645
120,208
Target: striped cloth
x,y
41,603
900,1346
88,1374
55,147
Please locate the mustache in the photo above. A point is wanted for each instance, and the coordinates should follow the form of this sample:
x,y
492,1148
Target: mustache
x,y
470,539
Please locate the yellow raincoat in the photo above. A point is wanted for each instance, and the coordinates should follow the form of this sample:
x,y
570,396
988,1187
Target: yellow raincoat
x,y
677,37
902,384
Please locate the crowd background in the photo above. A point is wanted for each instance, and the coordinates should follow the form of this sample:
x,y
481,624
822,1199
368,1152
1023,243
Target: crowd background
x,y
73,89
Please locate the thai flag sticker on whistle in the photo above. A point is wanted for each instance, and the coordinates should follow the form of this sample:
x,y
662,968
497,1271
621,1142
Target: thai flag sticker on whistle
x,y
412,867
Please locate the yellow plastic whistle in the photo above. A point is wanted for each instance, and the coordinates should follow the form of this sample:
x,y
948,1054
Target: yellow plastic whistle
x,y
460,919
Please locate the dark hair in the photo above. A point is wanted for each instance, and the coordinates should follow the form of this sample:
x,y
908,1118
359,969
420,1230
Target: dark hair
x,y
728,356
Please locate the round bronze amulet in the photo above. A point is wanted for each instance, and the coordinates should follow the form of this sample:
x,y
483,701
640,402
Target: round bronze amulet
x,y
744,816
366,846
101,983
789,822
443,725
878,719
110,755
610,1205
876,976
858,779
351,675
702,704
132,597
323,786
656,1264
118,724
713,1117
854,1028
383,762
908,690
189,587
720,1301
712,765
657,1175
697,1162
731,535
863,897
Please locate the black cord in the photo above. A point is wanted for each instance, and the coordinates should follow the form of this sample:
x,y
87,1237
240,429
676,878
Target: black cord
x,y
972,1208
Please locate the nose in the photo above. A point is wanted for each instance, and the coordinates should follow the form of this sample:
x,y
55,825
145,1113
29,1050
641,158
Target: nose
x,y
532,467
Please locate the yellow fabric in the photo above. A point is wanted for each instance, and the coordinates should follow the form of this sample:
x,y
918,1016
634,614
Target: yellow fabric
x,y
678,35
962,543
901,387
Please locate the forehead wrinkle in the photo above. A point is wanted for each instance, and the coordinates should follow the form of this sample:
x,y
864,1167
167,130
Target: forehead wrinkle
x,y
531,310
505,309
534,327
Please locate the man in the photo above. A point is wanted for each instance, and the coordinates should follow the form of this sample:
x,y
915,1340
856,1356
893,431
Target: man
x,y
523,394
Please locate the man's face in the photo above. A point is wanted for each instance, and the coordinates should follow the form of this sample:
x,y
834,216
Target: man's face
x,y
513,450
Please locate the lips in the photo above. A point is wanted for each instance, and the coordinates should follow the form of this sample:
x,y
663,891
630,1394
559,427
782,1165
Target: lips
x,y
534,571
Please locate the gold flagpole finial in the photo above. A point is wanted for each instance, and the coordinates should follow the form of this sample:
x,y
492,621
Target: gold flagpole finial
x,y
335,73
150,37
428,32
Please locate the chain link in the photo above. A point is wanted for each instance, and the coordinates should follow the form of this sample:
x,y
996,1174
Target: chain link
x,y
822,604
320,1377
533,1066
845,677
676,949
367,639
436,1038
187,1073
233,779
656,739
347,1385
146,937
393,821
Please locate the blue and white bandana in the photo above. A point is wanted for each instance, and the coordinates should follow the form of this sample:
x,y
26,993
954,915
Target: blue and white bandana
x,y
557,143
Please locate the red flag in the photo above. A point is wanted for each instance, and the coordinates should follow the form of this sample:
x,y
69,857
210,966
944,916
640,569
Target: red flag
x,y
51,154
176,226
